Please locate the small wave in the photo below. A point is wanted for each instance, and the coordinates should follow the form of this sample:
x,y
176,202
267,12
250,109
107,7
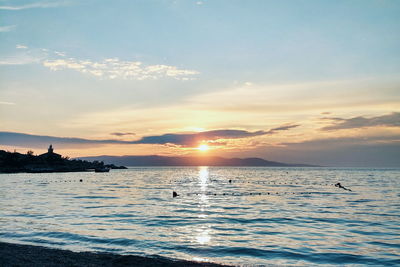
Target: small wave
x,y
391,245
282,253
85,238
95,197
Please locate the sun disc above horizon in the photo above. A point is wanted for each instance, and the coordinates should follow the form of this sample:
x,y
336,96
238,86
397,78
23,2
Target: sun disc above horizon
x,y
203,147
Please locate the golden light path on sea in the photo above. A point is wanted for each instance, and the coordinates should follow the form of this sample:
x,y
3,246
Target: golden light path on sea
x,y
203,234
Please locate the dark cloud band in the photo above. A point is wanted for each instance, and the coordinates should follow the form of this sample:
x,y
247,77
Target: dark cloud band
x,y
181,139
392,120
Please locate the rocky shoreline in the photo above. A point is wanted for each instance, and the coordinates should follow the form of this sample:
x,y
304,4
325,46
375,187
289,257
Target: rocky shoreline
x,y
35,256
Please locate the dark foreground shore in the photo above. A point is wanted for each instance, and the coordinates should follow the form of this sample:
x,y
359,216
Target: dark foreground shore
x,y
35,256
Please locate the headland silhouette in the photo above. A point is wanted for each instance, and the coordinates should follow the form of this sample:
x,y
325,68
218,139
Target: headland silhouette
x,y
13,162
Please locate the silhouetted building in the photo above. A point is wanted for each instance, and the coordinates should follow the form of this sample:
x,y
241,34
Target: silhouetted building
x,y
50,155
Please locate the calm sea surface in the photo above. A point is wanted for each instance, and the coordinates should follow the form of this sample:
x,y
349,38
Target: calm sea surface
x,y
263,216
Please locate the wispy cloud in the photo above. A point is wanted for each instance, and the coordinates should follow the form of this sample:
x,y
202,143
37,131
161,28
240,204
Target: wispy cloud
x,y
392,119
282,128
19,46
122,134
110,68
272,98
41,4
61,54
114,68
19,60
6,103
7,28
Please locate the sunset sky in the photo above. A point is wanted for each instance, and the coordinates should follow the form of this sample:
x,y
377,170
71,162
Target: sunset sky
x,y
313,82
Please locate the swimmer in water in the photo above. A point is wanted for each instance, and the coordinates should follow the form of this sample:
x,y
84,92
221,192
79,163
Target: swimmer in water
x,y
174,194
341,186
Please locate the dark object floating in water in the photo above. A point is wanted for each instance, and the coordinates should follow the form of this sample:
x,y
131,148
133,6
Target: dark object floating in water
x,y
341,186
81,180
101,170
174,194
230,181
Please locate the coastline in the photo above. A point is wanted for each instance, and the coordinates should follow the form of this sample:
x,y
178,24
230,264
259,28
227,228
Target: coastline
x,y
13,162
28,255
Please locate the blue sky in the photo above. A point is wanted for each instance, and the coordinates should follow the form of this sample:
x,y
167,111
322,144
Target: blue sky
x,y
300,39
86,69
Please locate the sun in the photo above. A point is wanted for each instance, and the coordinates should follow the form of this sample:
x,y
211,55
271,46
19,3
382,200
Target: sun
x,y
203,147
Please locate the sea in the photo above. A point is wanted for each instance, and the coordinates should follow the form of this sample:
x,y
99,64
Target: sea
x,y
231,215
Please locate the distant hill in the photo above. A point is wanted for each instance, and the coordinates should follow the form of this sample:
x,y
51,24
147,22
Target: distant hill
x,y
189,161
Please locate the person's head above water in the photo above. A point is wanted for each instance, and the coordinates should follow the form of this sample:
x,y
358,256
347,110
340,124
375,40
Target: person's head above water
x,y
341,186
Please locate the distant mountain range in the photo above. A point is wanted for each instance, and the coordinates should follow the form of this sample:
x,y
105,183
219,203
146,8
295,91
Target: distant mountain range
x,y
189,161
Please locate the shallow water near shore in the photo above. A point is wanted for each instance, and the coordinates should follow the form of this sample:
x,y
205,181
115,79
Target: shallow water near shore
x,y
225,215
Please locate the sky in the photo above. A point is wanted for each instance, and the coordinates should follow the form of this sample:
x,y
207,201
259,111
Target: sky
x,y
312,82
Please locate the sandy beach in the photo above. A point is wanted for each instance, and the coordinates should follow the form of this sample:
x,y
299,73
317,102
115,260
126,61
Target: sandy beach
x,y
26,255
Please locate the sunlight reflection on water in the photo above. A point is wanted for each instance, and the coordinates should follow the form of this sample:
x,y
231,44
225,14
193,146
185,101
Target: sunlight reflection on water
x,y
203,236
